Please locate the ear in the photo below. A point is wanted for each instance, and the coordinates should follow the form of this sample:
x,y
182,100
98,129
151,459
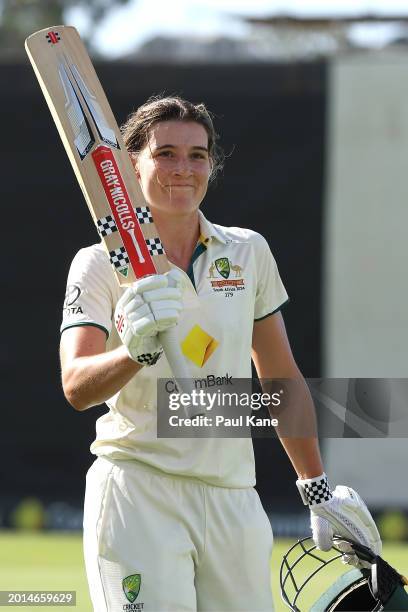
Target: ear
x,y
135,163
211,168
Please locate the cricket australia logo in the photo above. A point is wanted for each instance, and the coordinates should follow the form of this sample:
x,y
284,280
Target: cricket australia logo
x,y
232,275
223,266
131,586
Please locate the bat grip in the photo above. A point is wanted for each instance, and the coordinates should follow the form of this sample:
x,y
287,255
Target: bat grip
x,y
179,367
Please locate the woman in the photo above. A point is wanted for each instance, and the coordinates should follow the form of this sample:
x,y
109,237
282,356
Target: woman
x,y
175,524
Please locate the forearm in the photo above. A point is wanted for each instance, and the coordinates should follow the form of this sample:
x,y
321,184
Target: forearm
x,y
91,380
304,455
297,430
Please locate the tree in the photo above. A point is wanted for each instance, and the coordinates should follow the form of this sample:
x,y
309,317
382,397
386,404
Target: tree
x,y
19,18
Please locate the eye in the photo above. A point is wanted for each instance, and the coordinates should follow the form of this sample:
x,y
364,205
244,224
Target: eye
x,y
198,155
167,153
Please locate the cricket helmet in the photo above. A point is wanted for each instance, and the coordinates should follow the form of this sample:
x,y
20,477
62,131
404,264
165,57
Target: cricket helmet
x,y
377,586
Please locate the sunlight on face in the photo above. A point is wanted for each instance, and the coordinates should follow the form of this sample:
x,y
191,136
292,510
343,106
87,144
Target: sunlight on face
x,y
174,167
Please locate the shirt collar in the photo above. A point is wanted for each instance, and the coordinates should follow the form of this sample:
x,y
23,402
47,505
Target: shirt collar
x,y
208,231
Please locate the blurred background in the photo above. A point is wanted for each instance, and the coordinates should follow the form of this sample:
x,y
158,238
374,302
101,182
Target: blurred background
x,y
310,102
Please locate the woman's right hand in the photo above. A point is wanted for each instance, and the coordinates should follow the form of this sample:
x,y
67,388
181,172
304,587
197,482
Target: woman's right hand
x,y
151,305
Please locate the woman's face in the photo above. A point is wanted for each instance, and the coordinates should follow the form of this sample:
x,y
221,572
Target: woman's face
x,y
174,167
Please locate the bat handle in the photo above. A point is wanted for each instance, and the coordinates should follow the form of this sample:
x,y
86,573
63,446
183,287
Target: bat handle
x,y
179,367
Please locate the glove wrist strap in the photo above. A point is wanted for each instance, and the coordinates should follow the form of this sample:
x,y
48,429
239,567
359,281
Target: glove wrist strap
x,y
314,491
147,359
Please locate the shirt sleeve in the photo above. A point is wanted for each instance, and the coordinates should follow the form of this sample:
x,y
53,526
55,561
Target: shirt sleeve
x,y
89,294
270,292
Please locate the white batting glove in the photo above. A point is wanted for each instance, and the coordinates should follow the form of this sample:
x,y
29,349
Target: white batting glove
x,y
151,305
339,513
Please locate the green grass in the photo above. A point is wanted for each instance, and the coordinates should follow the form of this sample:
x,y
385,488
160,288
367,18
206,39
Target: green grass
x,y
43,561
49,561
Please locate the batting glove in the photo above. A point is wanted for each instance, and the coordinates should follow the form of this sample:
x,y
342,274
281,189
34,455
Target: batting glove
x,y
151,305
340,513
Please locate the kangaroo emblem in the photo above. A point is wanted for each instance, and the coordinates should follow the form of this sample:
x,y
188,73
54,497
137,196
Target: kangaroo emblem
x,y
211,270
238,270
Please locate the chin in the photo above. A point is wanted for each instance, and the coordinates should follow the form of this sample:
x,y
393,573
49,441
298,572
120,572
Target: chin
x,y
180,206
176,205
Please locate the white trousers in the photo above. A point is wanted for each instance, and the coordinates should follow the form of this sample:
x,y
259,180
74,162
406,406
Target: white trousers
x,y
159,543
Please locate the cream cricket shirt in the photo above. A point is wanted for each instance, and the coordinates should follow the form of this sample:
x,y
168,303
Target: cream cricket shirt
x,y
233,280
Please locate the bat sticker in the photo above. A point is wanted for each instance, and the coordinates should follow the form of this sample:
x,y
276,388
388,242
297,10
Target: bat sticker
x,y
83,136
123,212
155,246
53,38
143,214
106,225
105,132
120,260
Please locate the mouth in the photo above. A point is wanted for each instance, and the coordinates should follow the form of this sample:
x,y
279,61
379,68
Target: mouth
x,y
180,186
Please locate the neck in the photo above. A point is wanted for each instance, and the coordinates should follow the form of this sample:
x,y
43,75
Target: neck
x,y
179,235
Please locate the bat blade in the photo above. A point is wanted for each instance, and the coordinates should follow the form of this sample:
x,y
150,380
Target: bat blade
x,y
102,165
94,145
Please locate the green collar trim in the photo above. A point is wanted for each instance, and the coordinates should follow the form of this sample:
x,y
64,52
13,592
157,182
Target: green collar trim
x,y
199,250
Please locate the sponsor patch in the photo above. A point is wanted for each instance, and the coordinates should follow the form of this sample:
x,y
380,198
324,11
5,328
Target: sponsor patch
x,y
198,346
226,277
72,294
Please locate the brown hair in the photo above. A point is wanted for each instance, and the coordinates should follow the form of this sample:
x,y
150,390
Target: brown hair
x,y
137,128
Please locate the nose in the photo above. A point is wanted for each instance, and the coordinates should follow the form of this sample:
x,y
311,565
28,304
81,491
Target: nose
x,y
182,167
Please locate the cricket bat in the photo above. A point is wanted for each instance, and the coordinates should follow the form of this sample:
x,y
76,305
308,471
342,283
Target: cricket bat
x,y
101,163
